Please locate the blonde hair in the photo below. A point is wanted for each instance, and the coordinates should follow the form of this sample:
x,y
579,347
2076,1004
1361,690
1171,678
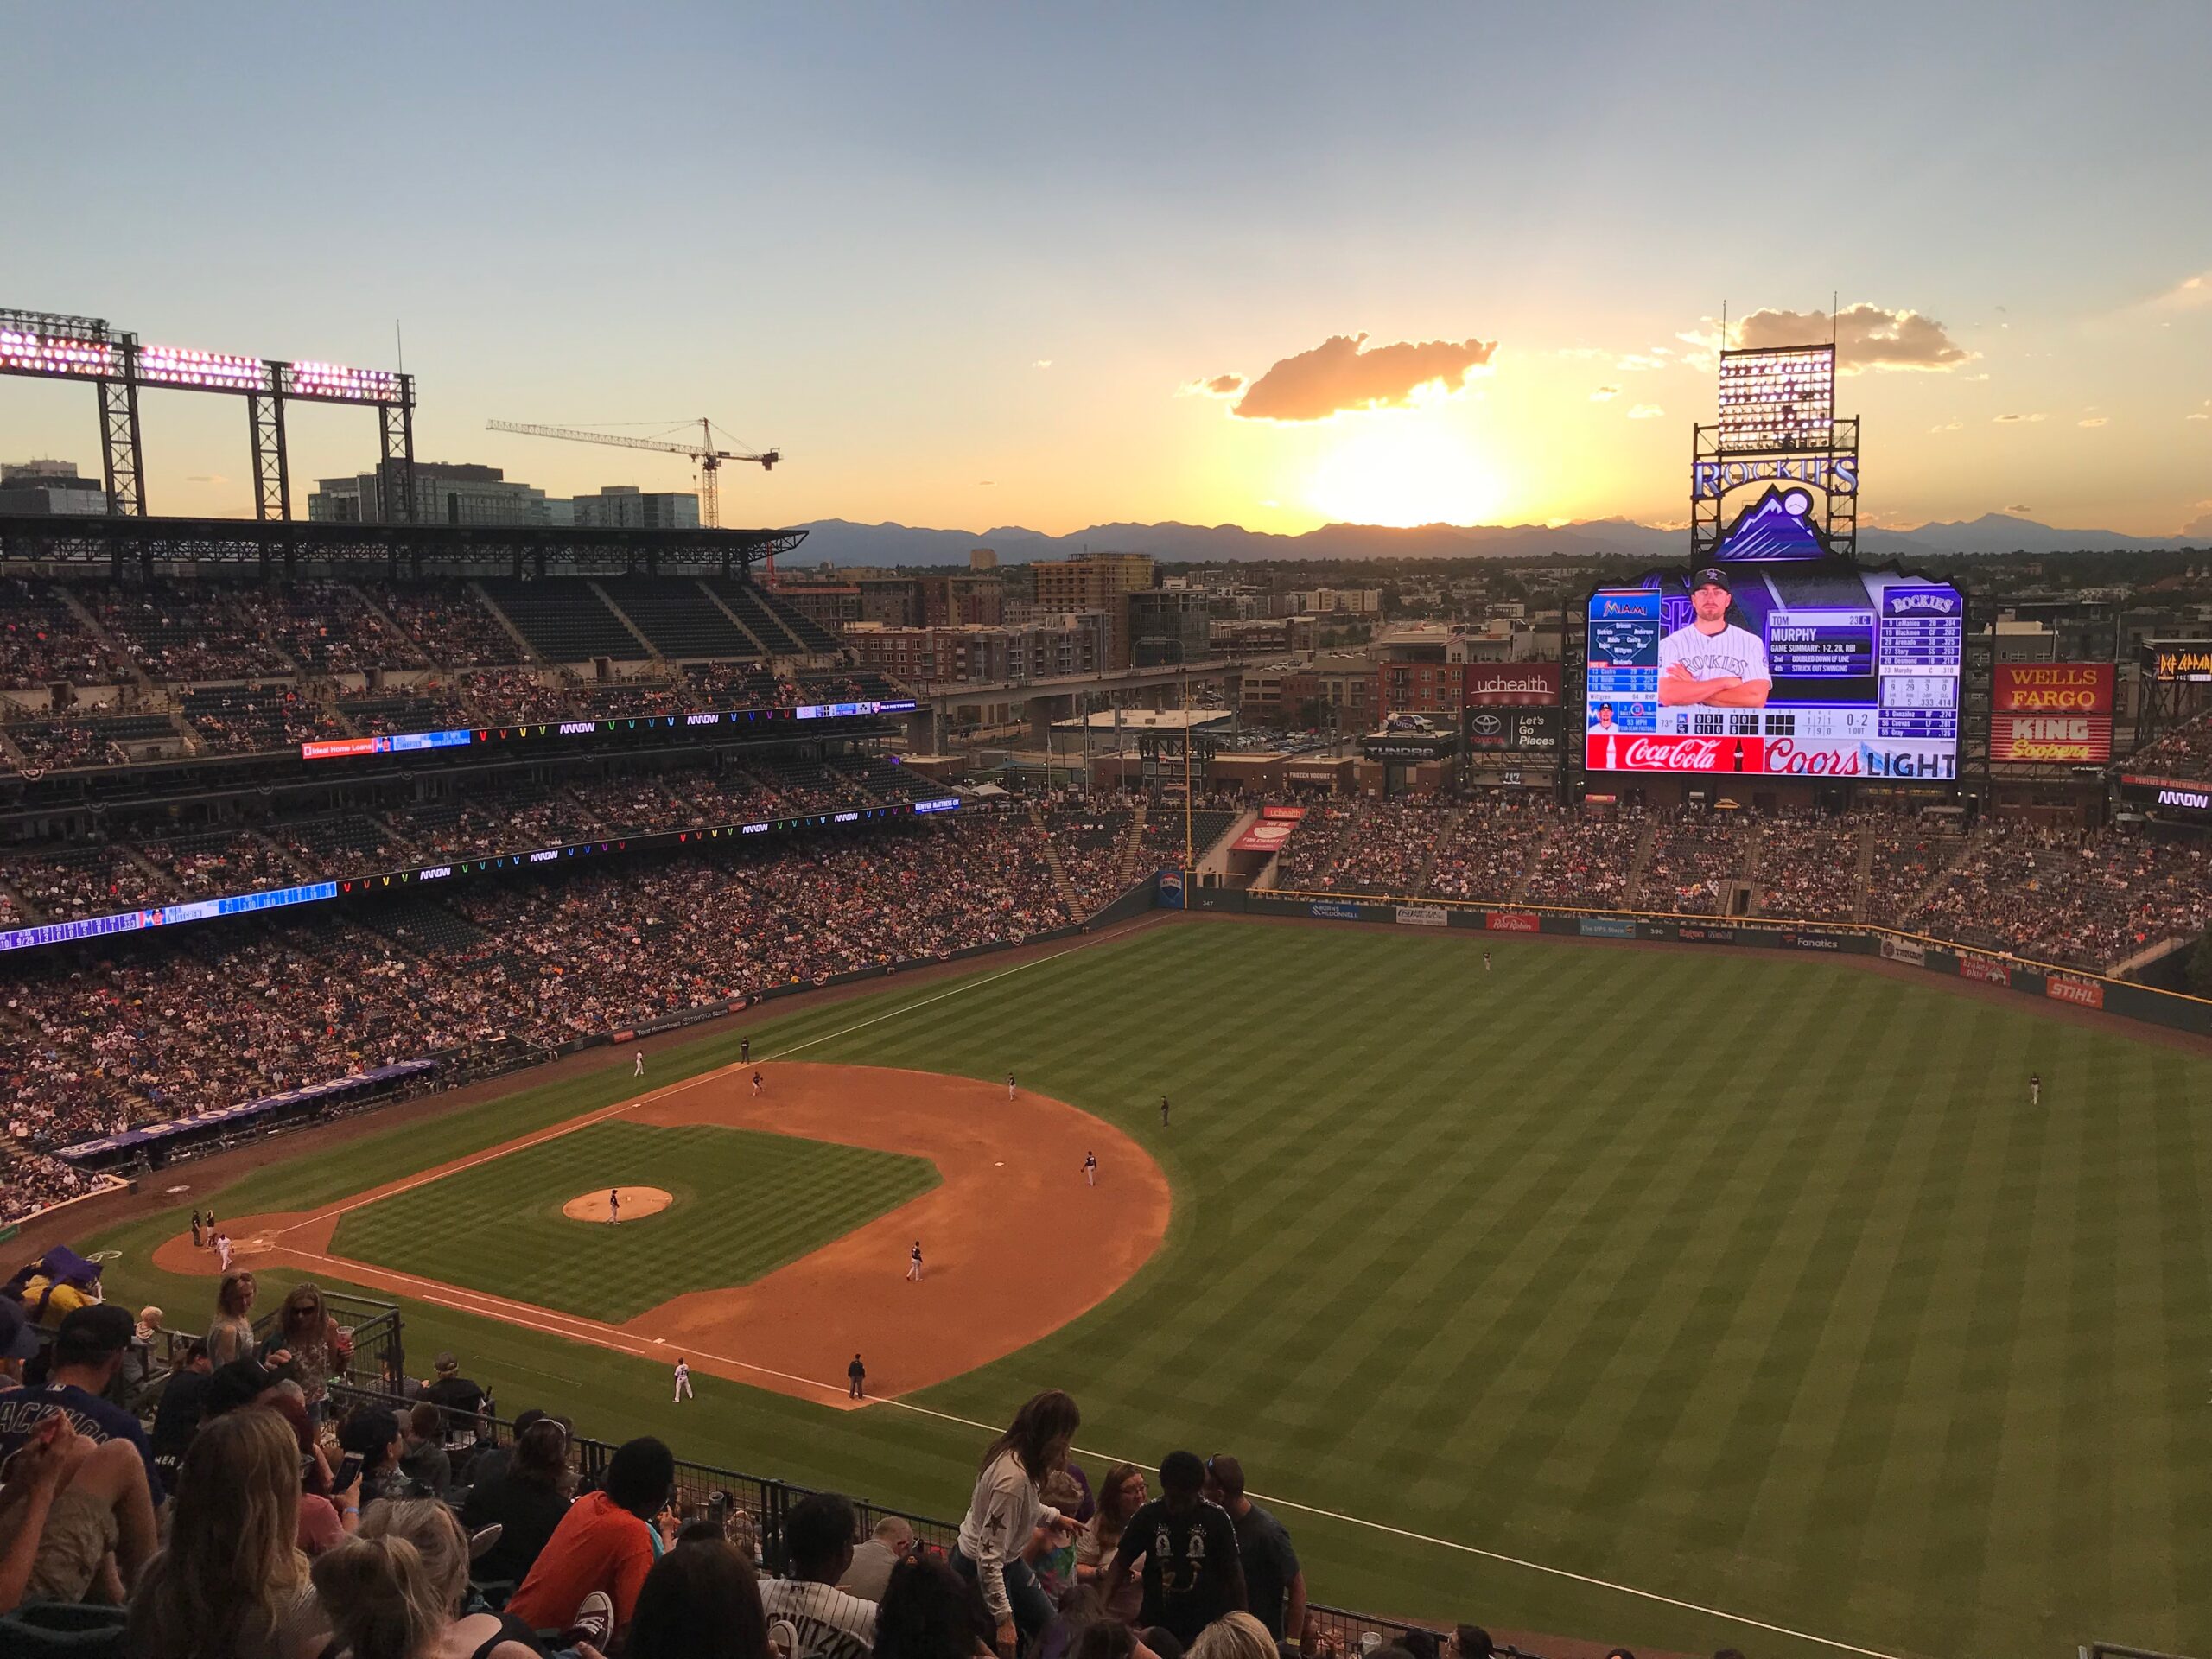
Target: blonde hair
x,y
232,1571
436,1535
380,1598
1234,1635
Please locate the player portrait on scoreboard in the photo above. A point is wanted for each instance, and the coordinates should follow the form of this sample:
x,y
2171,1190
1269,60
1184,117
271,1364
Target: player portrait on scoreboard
x,y
1710,660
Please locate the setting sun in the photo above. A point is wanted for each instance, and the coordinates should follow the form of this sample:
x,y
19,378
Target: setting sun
x,y
1401,469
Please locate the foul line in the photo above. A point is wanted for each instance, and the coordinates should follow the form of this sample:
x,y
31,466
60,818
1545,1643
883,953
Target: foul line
x,y
571,1125
1465,1549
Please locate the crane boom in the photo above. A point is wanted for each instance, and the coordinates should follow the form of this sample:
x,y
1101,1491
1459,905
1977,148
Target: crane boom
x,y
709,458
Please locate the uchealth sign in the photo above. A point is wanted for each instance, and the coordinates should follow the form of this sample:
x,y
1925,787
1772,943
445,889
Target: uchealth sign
x,y
1525,684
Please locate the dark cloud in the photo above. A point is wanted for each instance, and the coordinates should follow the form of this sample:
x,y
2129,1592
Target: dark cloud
x,y
1866,337
1340,374
1225,386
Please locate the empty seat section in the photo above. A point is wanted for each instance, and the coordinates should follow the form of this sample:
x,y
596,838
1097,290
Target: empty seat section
x,y
678,617
564,619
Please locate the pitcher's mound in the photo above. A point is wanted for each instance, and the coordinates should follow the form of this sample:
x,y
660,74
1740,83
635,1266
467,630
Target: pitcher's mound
x,y
636,1201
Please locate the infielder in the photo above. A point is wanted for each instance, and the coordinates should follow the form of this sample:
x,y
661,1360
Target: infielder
x,y
1009,1085
756,1085
640,1069
614,1206
914,1263
682,1382
1090,1169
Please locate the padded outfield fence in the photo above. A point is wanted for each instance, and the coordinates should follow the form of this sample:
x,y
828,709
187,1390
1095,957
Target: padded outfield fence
x,y
2075,987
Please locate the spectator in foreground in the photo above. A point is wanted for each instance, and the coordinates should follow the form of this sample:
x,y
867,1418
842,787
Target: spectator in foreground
x,y
1472,1641
87,1353
18,1340
372,1434
230,1336
422,1459
870,1571
396,1591
1121,1496
1005,1511
604,1544
524,1497
1275,1584
492,1460
76,1524
930,1611
461,1399
307,1347
183,1402
1234,1635
232,1583
827,1623
1192,1572
700,1601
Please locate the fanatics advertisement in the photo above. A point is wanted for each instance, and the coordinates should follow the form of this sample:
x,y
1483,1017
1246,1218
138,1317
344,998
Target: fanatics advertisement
x,y
1810,668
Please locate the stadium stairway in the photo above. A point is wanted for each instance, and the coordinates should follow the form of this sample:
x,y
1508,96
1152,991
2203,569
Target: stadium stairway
x,y
1865,873
1536,862
1125,869
623,616
14,756
1969,844
484,597
1638,864
736,621
108,642
1069,896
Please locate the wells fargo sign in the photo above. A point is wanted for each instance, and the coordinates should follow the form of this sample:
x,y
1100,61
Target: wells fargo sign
x,y
2053,688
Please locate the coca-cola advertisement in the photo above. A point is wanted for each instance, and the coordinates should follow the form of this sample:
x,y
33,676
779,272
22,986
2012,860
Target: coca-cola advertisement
x,y
1788,667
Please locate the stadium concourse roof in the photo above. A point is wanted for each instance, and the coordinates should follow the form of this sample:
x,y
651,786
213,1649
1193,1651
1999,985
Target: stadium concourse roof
x,y
1128,721
121,542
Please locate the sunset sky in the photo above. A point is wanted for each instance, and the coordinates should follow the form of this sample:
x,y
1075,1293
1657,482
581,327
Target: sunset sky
x,y
973,265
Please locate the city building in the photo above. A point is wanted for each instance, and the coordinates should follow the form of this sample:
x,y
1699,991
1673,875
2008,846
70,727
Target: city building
x,y
445,492
830,604
1357,601
625,506
977,653
1095,581
48,486
1168,625
1335,691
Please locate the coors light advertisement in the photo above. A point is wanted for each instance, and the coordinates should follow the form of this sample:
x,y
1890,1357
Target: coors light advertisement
x,y
1813,670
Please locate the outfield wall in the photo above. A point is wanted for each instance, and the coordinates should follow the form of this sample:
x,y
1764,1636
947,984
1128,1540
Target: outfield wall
x,y
2029,978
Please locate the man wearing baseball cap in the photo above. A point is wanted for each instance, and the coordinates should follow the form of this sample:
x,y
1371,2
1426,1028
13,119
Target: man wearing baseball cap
x,y
87,1353
1711,660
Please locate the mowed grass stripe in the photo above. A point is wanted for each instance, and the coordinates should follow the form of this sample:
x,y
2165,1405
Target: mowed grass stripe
x,y
745,1203
1447,1248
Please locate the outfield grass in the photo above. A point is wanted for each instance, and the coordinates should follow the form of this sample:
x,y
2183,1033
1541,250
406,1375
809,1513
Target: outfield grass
x,y
1749,1281
744,1204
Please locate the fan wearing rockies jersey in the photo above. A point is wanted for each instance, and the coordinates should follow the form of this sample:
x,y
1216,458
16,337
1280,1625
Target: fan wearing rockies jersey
x,y
1711,660
827,1623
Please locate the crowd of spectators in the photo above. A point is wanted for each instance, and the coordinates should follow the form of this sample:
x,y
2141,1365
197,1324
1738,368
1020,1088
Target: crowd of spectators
x,y
101,1035
1694,855
1388,848
42,640
220,861
257,719
327,626
1312,846
1488,849
447,620
504,696
179,633
1587,860
2086,899
1091,836
1809,865
264,1492
2184,752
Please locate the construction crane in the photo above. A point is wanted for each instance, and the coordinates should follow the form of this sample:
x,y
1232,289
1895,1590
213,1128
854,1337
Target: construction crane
x,y
703,453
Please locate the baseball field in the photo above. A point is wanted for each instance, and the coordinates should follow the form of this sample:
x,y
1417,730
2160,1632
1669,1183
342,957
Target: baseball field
x,y
1674,1298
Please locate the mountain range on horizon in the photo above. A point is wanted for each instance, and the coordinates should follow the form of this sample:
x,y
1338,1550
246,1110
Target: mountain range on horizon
x,y
839,541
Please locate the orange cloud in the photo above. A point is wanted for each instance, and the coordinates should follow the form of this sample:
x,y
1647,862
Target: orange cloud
x,y
1341,374
1866,337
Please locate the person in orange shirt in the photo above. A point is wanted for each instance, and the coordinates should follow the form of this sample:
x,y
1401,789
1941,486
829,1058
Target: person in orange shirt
x,y
604,1545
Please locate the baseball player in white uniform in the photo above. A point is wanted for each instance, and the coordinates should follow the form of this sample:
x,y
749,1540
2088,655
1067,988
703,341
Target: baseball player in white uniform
x,y
914,1263
682,1382
640,1071
223,1251
1711,660
1009,1085
1090,1169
